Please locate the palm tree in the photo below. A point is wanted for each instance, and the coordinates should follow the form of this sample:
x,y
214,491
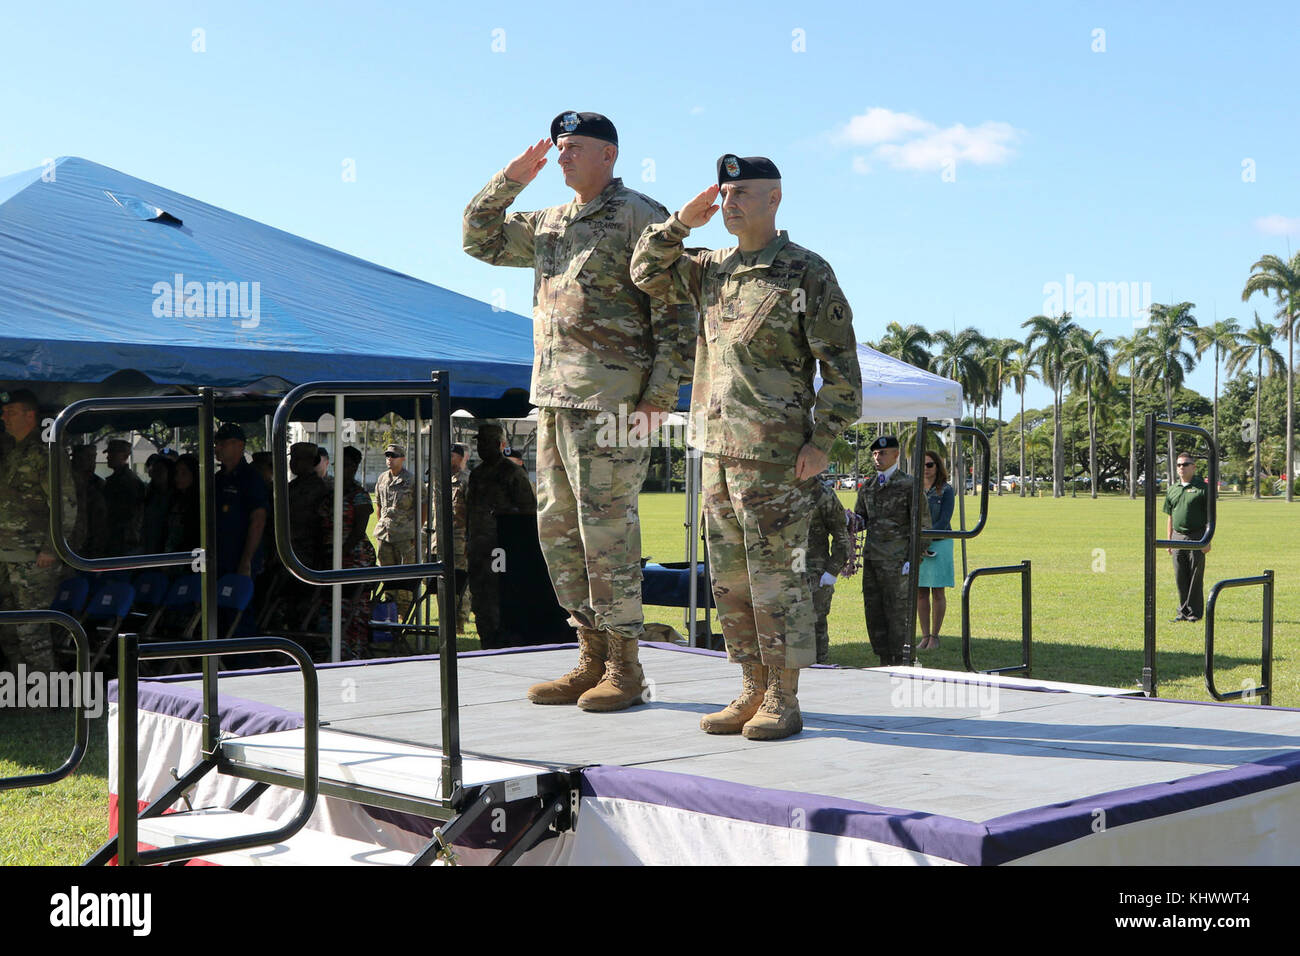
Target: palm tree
x,y
1164,358
1129,349
958,359
1049,339
1088,361
1224,336
1257,344
1019,370
1276,275
998,353
906,344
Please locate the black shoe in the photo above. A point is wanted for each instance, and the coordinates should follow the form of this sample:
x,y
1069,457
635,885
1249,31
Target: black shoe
x,y
1178,620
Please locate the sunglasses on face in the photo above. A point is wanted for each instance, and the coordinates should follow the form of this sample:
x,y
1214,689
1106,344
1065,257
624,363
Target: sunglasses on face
x,y
389,454
929,464
1185,464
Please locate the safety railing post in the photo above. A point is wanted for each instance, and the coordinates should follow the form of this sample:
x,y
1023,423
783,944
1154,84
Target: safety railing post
x,y
1264,691
1024,569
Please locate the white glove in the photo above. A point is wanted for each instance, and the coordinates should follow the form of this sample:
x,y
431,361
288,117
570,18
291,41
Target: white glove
x,y
828,580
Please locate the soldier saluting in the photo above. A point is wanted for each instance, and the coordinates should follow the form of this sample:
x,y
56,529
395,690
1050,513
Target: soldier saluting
x,y
600,347
771,312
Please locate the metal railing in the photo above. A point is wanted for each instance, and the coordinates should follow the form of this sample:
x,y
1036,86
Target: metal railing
x,y
437,390
1026,617
130,653
1265,689
82,731
1152,426
923,428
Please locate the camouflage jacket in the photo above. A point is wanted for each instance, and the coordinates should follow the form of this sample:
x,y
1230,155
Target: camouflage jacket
x,y
598,342
888,514
308,494
459,520
499,487
764,328
828,519
25,499
395,507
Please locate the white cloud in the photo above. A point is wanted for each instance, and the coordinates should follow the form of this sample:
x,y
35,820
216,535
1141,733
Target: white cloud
x,y
905,141
1276,225
879,125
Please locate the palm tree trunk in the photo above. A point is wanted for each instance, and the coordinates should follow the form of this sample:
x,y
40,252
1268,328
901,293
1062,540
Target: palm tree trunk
x,y
1169,410
1290,409
1132,431
1092,440
1259,390
1216,400
1022,444
1000,443
1058,448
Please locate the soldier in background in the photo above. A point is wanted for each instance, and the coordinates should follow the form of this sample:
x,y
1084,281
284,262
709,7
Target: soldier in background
x,y
29,567
497,486
600,348
90,537
770,313
459,520
124,495
307,492
885,503
395,520
827,520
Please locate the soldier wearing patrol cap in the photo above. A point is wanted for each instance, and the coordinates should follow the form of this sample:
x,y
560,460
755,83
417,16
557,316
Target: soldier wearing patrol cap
x,y
395,519
771,312
124,494
603,352
29,567
885,504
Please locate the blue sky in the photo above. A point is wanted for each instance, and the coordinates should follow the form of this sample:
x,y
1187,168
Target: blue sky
x,y
948,160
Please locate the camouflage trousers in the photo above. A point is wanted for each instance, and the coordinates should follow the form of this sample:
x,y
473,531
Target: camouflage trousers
x,y
390,553
757,519
821,598
588,483
25,587
885,598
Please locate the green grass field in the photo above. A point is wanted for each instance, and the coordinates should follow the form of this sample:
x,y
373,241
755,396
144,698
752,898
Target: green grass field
x,y
1087,574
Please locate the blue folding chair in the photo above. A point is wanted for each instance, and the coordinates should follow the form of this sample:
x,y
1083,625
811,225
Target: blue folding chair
x,y
70,596
234,592
150,594
105,613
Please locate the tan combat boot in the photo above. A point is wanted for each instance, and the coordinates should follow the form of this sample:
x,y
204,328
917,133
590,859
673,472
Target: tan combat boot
x,y
624,683
739,712
778,715
592,651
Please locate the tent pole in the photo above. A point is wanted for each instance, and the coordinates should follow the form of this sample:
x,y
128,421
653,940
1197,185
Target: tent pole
x,y
336,591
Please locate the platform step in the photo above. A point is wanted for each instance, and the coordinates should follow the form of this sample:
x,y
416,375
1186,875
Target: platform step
x,y
304,848
385,765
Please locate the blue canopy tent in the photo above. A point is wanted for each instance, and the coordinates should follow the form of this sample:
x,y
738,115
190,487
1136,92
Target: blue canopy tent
x,y
110,285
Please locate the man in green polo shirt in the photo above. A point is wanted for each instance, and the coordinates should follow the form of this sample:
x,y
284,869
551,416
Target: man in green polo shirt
x,y
1185,503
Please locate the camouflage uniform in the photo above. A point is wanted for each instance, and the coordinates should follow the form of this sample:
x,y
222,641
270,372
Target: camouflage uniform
x,y
24,533
768,319
307,495
887,510
459,484
499,487
827,518
599,347
395,528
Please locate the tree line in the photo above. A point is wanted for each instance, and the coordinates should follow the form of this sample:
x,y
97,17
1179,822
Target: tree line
x,y
1112,382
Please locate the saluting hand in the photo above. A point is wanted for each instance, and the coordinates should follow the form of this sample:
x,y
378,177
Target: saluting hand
x,y
699,211
524,168
811,462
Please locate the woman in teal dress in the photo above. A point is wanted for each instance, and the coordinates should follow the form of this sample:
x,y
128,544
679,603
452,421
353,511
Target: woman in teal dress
x,y
936,565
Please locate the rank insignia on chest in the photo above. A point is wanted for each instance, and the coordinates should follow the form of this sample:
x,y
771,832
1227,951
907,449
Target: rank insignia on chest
x,y
225,508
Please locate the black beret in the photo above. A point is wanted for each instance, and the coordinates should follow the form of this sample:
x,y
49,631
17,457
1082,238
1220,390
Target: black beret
x,y
884,441
594,125
229,430
733,168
